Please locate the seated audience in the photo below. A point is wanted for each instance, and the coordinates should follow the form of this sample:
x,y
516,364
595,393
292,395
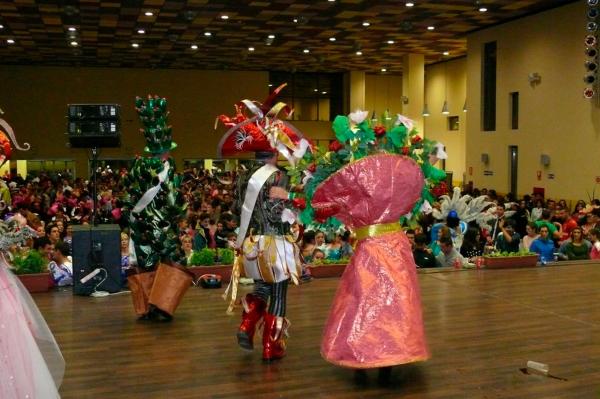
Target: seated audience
x,y
531,235
471,247
61,266
543,245
595,239
576,248
423,255
508,240
449,256
317,255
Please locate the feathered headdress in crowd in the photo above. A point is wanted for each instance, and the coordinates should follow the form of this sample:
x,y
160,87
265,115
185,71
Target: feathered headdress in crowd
x,y
467,209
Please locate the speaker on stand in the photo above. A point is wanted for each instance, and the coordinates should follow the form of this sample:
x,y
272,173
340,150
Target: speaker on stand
x,y
96,247
94,126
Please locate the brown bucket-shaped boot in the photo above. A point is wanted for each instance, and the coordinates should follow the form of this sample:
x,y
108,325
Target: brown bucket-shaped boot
x,y
274,334
254,310
140,285
170,284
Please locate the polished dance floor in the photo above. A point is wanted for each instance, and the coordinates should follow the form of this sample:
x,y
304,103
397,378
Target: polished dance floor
x,y
482,327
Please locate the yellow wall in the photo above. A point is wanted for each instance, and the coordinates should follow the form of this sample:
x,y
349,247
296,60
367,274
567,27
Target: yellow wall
x,y
451,78
383,92
555,119
35,103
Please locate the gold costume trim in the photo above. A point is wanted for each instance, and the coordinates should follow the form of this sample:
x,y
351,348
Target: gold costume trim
x,y
375,230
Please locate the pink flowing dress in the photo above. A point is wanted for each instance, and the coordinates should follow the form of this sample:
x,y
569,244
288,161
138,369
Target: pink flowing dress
x,y
31,365
375,319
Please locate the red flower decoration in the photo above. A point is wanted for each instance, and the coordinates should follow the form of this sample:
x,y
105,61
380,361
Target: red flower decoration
x,y
324,212
440,189
335,146
415,139
379,130
299,203
405,150
312,168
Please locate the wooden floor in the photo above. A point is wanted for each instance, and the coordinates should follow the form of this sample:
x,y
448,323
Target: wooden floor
x,y
482,326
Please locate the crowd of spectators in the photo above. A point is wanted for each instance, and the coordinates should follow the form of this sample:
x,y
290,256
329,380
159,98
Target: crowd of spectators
x,y
54,203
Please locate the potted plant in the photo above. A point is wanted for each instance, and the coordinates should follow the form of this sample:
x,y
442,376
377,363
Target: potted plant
x,y
328,267
30,268
212,261
502,260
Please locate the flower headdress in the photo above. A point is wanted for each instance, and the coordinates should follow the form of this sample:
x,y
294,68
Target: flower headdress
x,y
5,148
356,138
261,132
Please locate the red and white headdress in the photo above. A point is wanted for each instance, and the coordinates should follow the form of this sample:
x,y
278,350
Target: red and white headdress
x,y
262,132
5,148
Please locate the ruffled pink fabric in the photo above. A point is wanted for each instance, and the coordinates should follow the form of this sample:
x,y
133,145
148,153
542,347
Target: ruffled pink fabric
x,y
31,365
375,319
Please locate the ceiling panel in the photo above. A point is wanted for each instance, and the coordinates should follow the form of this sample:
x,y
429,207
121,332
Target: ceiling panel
x,y
107,30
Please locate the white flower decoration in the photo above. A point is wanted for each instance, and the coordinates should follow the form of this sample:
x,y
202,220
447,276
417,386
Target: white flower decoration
x,y
358,116
409,123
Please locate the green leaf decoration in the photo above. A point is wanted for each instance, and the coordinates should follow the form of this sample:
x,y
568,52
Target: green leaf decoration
x,y
398,136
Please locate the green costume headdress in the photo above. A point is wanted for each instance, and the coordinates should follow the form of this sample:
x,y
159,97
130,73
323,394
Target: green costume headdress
x,y
357,137
154,117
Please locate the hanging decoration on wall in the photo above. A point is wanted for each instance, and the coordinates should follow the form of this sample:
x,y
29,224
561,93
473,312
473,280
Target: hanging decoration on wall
x,y
591,51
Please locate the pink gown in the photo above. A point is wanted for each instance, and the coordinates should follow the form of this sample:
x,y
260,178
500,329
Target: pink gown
x,y
375,319
31,365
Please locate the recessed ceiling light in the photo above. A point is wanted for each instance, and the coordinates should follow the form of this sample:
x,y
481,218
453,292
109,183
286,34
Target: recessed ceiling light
x,y
482,9
250,48
366,23
316,90
446,53
1,26
72,29
383,70
141,31
332,39
207,34
224,16
295,20
323,92
410,4
148,13
74,44
270,84
331,1
390,42
431,28
306,51
135,45
359,52
271,36
10,41
194,47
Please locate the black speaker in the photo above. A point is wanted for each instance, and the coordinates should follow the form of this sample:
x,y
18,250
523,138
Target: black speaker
x,y
96,247
93,111
94,133
94,125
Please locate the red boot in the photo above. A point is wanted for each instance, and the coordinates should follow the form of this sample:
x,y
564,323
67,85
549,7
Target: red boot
x,y
254,310
274,334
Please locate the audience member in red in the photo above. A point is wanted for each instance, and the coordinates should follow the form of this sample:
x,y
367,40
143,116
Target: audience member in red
x,y
595,239
567,223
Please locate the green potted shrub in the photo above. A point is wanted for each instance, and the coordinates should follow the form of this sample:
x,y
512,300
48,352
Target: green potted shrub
x,y
327,267
212,261
31,267
502,260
